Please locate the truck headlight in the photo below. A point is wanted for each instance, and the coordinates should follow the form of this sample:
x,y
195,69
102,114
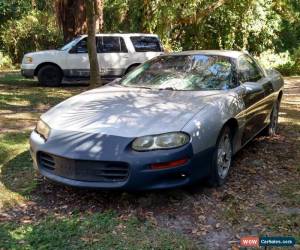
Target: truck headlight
x,y
163,141
43,129
28,59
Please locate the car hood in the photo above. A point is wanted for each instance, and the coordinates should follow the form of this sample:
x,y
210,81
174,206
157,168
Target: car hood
x,y
127,112
45,53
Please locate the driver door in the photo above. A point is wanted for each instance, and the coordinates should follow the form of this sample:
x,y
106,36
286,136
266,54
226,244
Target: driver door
x,y
78,64
255,96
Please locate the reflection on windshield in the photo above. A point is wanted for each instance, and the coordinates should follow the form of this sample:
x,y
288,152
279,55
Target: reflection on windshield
x,y
183,72
70,44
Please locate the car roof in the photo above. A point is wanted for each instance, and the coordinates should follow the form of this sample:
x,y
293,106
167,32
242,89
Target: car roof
x,y
227,53
124,34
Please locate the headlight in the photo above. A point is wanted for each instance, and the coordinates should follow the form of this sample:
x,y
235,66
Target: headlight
x,y
42,129
163,141
28,59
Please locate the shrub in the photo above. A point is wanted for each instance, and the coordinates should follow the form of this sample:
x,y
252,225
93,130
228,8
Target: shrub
x,y
287,64
5,62
289,69
35,31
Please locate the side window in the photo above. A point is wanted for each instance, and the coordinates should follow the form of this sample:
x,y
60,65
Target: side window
x,y
81,46
146,43
248,70
111,44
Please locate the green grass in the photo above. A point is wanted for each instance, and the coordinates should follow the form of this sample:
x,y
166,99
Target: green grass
x,y
97,231
16,172
22,101
27,93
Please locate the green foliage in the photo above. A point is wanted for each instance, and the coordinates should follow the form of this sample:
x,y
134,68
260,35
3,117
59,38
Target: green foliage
x,y
196,24
5,62
35,31
285,62
292,67
271,59
256,26
262,26
13,9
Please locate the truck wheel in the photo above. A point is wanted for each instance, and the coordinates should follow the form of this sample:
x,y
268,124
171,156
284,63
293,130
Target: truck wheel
x,y
50,75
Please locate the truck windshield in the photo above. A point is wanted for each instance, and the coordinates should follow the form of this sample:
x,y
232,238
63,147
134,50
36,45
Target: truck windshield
x,y
70,44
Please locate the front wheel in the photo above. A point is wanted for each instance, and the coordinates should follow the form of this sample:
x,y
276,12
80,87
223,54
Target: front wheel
x,y
50,75
222,158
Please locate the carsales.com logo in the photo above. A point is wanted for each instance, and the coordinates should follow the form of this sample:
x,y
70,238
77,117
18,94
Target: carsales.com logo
x,y
264,241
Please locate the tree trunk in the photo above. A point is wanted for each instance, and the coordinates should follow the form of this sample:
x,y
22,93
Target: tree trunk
x,y
71,17
92,13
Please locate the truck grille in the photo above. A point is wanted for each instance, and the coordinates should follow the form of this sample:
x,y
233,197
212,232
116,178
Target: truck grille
x,y
84,170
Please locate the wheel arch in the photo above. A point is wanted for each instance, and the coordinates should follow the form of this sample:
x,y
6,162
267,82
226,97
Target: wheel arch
x,y
233,125
131,65
45,64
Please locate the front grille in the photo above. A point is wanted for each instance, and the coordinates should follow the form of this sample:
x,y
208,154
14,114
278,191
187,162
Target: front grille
x,y
47,161
84,170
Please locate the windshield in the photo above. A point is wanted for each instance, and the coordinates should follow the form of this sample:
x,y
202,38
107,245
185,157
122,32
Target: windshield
x,y
183,72
71,44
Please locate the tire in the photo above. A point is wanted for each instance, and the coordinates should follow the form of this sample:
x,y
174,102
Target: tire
x,y
272,127
50,75
222,158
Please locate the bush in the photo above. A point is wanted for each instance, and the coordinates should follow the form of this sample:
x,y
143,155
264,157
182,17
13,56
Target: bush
x,y
5,62
35,31
287,64
289,69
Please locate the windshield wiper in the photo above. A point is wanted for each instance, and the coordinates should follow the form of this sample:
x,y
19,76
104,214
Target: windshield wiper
x,y
168,88
140,87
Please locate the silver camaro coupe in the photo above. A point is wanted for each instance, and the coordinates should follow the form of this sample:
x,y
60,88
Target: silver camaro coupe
x,y
173,121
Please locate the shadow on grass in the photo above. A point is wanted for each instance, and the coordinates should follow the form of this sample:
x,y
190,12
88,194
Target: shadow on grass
x,y
18,174
16,80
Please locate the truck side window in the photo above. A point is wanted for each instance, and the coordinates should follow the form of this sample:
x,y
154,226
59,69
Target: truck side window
x,y
146,43
81,46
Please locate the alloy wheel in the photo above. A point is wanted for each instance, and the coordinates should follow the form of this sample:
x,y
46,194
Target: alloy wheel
x,y
224,156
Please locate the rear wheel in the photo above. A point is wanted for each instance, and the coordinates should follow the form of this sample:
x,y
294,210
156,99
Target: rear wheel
x,y
50,75
222,158
272,128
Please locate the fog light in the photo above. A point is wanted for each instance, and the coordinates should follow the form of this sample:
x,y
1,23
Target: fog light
x,y
170,164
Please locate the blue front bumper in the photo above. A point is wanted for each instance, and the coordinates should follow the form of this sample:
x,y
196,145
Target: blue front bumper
x,y
79,151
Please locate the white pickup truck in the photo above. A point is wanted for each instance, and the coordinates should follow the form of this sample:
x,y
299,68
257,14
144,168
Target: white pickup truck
x,y
117,54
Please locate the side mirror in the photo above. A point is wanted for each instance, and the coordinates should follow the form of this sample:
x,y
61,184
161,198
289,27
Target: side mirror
x,y
252,87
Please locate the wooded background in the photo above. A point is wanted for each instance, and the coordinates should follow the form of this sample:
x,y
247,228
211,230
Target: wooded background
x,y
270,30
